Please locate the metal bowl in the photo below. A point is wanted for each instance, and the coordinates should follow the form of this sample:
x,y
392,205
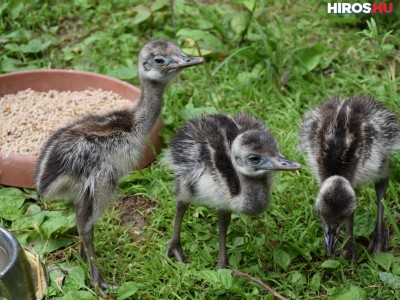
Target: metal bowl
x,y
16,281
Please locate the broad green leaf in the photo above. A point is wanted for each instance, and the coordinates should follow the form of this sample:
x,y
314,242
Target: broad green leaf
x,y
15,8
56,276
159,4
281,258
179,7
225,277
396,268
221,279
315,282
204,236
387,47
389,279
68,53
33,46
19,35
48,41
9,65
209,276
385,260
127,289
239,23
42,246
189,113
57,221
297,278
75,278
11,194
331,290
330,264
352,293
93,38
23,237
280,186
11,201
3,6
142,14
32,209
250,4
210,40
123,73
364,223
238,241
81,295
204,24
234,259
309,57
195,52
30,221
11,47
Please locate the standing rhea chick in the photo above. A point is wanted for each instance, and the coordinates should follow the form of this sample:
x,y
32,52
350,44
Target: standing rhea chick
x,y
349,143
226,163
84,161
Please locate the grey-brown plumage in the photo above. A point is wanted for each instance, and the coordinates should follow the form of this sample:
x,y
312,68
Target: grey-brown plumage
x,y
349,143
84,161
226,163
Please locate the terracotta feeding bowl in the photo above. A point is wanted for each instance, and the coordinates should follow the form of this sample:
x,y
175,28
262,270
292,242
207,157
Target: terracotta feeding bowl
x,y
18,169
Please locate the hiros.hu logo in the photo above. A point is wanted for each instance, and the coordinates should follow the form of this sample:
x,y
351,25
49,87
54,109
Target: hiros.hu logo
x,y
360,8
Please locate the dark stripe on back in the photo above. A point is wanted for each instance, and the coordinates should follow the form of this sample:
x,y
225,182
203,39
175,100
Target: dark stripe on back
x,y
191,147
222,150
339,158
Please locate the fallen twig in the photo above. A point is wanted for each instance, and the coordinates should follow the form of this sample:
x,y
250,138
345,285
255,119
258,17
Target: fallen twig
x,y
59,252
237,273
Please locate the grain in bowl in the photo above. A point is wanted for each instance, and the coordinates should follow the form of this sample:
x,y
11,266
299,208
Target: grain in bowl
x,y
29,117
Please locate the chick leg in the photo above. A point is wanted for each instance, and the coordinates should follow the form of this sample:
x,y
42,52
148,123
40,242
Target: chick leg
x,y
379,242
82,252
174,248
85,226
224,218
349,249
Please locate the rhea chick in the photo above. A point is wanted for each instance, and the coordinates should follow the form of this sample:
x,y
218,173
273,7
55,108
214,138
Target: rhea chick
x,y
349,143
226,163
84,161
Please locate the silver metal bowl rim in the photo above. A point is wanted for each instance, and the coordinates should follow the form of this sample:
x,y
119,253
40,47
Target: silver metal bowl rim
x,y
12,249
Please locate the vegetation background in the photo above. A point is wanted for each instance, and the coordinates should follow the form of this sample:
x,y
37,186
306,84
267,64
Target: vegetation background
x,y
273,59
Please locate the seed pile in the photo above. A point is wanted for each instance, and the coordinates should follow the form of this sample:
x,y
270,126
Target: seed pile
x,y
28,117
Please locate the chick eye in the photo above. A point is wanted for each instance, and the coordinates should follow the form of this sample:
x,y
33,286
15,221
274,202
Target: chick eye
x,y
255,160
159,60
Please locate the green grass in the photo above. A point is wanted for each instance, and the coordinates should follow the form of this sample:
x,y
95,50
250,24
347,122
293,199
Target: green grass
x,y
274,59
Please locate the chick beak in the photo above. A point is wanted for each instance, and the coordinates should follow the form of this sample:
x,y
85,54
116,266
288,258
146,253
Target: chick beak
x,y
331,235
185,61
281,164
